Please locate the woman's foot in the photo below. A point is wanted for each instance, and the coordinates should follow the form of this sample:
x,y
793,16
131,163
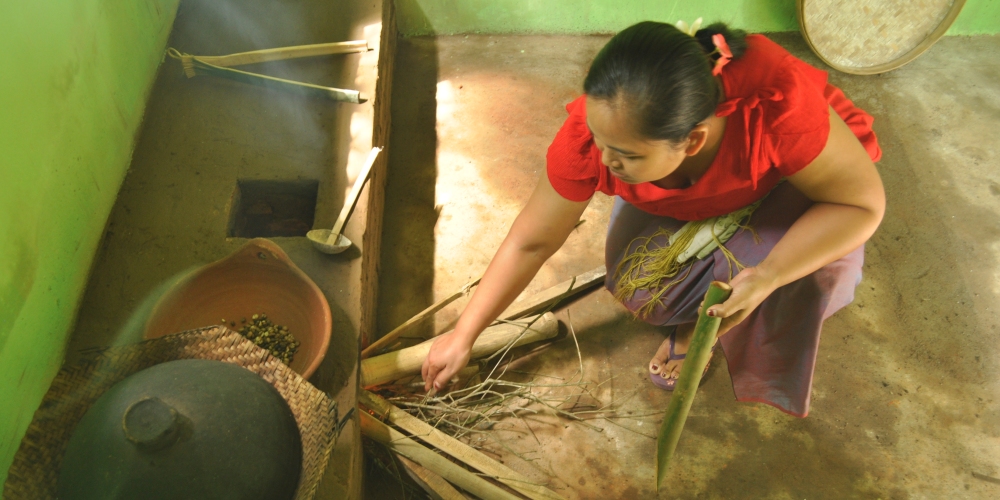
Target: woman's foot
x,y
666,364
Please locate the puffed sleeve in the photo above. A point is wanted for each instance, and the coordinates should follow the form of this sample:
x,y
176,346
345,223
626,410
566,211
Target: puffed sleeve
x,y
856,119
798,125
571,164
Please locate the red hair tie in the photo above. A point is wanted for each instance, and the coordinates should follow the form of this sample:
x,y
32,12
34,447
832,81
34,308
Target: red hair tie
x,y
725,55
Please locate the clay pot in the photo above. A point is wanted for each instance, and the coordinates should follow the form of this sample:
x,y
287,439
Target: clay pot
x,y
257,278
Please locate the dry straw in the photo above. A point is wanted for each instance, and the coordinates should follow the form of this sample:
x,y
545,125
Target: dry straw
x,y
654,268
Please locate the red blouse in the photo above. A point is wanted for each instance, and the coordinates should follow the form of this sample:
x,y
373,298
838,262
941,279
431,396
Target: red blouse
x,y
778,123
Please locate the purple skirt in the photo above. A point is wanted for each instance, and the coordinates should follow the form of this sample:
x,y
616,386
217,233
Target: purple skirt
x,y
772,353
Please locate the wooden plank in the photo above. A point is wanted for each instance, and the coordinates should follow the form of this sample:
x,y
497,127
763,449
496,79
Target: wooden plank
x,y
433,484
391,337
456,448
397,442
552,296
382,124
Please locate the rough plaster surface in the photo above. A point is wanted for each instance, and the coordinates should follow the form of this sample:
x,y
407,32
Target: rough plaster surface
x,y
906,400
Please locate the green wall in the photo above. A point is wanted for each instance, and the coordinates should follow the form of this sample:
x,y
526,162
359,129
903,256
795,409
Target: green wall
x,y
74,81
978,17
448,17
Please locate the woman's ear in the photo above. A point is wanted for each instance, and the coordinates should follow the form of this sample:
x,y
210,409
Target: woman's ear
x,y
696,139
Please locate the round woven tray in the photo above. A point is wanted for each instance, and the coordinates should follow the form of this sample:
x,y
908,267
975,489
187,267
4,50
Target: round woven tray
x,y
866,37
35,469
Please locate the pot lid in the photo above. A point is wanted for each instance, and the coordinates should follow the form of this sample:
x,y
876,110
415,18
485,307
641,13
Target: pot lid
x,y
189,428
866,37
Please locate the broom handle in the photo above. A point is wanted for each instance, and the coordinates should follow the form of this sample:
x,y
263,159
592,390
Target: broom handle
x,y
698,355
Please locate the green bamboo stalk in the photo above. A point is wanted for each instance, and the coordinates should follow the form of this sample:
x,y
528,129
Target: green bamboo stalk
x,y
698,355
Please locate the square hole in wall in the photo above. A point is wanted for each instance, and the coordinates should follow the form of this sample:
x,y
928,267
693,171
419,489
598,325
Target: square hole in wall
x,y
264,208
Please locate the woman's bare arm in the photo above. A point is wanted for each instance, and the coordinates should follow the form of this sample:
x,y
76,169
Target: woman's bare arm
x,y
538,232
849,205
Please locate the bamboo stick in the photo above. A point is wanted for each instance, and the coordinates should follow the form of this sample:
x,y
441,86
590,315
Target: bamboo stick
x,y
343,95
391,337
397,442
552,296
455,448
405,362
433,484
698,355
282,53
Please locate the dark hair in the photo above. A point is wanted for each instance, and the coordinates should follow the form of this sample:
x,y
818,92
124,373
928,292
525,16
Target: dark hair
x,y
662,76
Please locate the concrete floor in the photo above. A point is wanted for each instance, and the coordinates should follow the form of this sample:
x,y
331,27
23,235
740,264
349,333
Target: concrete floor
x,y
906,399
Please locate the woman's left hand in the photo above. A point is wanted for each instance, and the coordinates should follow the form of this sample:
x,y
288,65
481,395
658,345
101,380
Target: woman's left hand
x,y
750,287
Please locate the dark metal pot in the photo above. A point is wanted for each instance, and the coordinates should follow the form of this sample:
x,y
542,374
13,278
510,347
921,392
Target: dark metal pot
x,y
191,428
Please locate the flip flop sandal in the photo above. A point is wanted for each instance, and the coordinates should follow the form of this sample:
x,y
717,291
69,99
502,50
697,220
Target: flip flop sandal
x,y
668,384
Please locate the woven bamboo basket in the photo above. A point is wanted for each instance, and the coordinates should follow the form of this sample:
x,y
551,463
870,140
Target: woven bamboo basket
x,y
35,469
867,37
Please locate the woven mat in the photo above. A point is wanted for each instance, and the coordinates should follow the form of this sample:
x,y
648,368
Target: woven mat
x,y
35,470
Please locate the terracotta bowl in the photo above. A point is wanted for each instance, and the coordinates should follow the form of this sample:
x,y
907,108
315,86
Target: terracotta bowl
x,y
257,278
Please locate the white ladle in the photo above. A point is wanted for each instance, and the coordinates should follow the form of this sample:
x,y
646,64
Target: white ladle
x,y
330,240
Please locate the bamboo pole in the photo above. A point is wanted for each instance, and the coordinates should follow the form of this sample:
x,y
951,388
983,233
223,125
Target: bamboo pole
x,y
343,95
282,53
456,448
433,484
698,355
552,296
406,362
397,442
391,337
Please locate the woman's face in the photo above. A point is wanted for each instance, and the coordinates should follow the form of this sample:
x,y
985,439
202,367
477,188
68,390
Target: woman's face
x,y
630,157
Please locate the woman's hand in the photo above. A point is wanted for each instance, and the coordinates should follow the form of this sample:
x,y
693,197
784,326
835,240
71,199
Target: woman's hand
x,y
750,287
849,205
537,233
449,353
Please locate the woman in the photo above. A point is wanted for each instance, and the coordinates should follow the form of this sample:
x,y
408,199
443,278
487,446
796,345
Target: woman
x,y
686,128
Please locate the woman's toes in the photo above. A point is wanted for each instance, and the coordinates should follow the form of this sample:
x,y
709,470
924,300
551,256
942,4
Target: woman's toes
x,y
671,370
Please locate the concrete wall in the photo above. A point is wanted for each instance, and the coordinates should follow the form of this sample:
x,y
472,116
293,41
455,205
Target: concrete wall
x,y
75,78
448,17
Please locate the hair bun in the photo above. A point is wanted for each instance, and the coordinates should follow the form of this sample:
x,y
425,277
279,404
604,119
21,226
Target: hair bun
x,y
737,39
